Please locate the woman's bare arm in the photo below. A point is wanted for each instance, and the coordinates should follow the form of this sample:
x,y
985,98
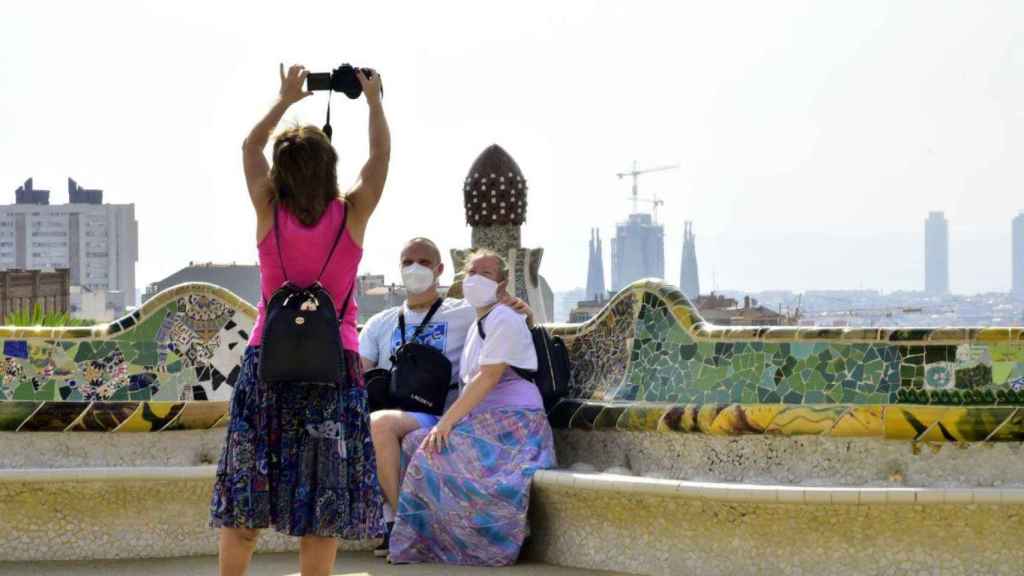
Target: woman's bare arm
x,y
365,194
254,162
477,389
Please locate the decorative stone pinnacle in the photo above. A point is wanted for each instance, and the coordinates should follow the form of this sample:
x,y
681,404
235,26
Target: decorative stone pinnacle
x,y
495,190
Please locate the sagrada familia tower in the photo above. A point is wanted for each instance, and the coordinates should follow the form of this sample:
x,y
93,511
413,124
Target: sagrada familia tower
x,y
689,282
595,269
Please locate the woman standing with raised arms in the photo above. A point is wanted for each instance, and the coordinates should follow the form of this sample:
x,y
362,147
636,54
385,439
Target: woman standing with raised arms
x,y
298,456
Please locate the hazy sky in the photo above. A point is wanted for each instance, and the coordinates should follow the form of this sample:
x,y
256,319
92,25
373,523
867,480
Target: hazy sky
x,y
813,137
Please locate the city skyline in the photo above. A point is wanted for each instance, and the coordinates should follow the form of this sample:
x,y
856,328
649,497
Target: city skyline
x,y
809,146
936,261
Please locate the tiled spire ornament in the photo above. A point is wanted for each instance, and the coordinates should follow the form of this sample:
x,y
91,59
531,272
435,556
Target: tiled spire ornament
x,y
495,198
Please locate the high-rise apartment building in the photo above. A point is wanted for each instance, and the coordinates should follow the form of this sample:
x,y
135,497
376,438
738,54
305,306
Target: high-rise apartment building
x,y
1018,255
98,242
936,254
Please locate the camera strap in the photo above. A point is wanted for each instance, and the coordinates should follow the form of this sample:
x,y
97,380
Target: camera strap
x,y
327,127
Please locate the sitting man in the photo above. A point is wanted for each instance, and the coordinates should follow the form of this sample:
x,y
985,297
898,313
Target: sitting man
x,y
446,331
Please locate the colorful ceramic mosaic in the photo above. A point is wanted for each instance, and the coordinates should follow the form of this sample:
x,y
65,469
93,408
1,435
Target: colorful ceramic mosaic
x,y
647,362
169,365
928,384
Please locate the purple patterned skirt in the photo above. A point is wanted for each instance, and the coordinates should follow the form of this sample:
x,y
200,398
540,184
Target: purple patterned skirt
x,y
298,458
468,504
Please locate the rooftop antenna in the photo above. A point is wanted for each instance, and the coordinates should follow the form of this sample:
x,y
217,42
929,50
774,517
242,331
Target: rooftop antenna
x,y
635,174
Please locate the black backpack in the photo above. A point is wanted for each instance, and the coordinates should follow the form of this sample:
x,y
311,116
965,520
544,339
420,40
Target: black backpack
x,y
301,341
554,372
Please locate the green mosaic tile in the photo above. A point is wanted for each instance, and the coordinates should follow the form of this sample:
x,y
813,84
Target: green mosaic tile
x,y
12,414
94,350
146,331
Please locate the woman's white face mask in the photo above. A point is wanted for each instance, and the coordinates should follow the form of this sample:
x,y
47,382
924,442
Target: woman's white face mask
x,y
417,278
480,291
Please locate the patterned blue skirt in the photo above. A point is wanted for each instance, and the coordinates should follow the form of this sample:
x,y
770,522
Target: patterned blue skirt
x,y
298,458
468,504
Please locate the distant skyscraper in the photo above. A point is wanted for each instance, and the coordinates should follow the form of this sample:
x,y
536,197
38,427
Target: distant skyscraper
x,y
98,242
689,282
595,268
1018,255
936,254
638,251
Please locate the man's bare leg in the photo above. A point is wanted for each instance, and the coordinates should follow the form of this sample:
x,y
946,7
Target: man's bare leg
x,y
388,427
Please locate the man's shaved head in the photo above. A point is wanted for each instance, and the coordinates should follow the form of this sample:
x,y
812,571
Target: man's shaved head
x,y
421,251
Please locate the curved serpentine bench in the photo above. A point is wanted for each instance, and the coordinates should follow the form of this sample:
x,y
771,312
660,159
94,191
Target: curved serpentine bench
x,y
739,444
734,445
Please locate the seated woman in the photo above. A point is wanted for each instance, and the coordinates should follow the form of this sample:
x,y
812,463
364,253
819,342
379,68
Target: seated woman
x,y
466,486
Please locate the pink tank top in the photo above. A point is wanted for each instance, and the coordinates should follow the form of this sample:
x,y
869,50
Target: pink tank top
x,y
305,250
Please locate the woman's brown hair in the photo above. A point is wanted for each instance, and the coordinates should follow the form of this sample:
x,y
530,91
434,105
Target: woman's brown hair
x,y
304,173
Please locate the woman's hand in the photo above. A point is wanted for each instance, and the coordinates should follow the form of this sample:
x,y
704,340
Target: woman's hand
x,y
437,439
292,84
371,86
519,305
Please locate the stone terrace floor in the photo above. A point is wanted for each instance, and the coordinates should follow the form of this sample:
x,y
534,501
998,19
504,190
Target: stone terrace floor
x,y
347,564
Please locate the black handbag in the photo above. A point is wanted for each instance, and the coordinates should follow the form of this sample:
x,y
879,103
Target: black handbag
x,y
301,340
420,374
378,389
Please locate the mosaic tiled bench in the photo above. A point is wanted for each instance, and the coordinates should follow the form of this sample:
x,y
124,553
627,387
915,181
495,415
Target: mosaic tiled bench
x,y
168,366
728,433
755,450
649,362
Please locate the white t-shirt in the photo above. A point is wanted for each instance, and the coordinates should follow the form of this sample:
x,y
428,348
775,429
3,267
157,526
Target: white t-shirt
x,y
507,341
446,332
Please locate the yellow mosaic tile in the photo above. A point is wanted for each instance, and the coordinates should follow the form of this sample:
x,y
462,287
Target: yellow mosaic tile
x,y
641,417
1011,429
976,423
738,419
860,335
992,335
859,422
684,316
797,420
706,415
679,419
782,334
956,335
903,422
151,417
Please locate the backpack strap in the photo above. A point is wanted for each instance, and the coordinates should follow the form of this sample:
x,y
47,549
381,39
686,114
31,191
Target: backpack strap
x,y
530,375
337,238
348,298
480,324
277,240
426,320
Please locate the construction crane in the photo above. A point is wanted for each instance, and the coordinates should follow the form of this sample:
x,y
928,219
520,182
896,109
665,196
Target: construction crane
x,y
655,202
635,174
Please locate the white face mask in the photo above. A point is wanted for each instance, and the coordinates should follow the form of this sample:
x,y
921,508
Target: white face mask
x,y
480,291
417,278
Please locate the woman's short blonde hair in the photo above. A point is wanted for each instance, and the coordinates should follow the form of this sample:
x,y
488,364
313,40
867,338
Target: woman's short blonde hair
x,y
486,253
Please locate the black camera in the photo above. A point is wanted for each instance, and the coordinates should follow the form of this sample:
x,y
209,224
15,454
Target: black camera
x,y
343,79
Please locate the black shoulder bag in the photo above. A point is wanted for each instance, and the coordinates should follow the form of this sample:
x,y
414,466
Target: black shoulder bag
x,y
554,372
420,374
301,341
